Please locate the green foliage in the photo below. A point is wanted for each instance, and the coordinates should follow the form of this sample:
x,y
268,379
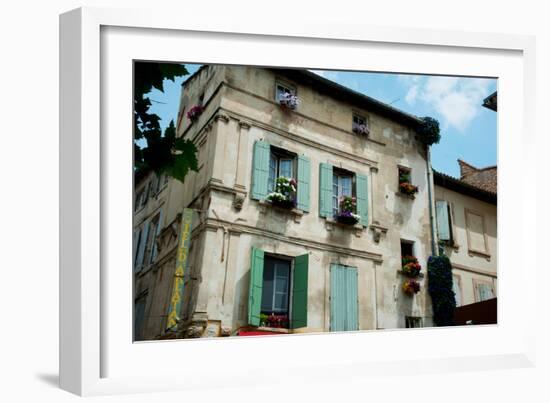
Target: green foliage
x,y
440,287
163,153
428,131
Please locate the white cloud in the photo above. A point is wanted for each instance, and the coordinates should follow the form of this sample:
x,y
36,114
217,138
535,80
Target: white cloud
x,y
457,100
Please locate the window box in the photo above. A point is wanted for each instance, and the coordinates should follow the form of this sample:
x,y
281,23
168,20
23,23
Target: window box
x,y
347,211
405,185
274,321
284,194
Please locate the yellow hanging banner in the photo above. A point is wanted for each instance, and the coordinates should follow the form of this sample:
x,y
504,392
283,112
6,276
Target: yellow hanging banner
x,y
184,243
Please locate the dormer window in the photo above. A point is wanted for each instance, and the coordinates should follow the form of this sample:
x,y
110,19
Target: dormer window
x,y
359,125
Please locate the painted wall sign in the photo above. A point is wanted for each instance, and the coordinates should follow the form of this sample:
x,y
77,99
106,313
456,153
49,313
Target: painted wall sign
x,y
184,243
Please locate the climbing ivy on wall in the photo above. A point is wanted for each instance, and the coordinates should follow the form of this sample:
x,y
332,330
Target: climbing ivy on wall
x,y
440,287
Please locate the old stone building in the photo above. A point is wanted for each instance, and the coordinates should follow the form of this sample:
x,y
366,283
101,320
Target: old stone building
x,y
261,239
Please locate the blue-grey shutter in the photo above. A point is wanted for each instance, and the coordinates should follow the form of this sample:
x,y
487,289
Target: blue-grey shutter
x,y
325,190
303,191
343,298
159,227
362,198
260,170
443,223
142,245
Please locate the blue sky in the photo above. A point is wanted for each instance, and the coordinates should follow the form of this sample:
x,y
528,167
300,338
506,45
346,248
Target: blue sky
x,y
468,130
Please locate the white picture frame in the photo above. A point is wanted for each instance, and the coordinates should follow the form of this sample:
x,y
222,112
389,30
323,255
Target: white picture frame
x,y
93,361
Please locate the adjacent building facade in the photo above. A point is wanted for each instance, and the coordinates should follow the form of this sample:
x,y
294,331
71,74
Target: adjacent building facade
x,y
243,264
467,225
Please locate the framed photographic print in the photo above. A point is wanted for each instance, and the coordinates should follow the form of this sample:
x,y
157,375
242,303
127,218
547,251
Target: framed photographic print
x,y
243,203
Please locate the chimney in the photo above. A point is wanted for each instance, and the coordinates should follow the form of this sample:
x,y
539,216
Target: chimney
x,y
466,169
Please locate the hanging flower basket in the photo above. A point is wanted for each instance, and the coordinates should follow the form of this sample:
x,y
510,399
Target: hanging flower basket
x,y
410,266
284,195
289,100
194,113
348,208
411,287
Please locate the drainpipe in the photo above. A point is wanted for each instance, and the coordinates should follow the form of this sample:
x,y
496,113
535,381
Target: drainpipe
x,y
431,201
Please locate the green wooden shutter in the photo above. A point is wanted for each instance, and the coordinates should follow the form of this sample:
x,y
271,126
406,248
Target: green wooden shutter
x,y
443,223
325,190
299,292
304,173
256,284
343,298
362,198
260,170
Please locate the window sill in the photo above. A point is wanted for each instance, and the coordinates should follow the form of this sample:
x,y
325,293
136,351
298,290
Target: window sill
x,y
273,329
404,195
473,252
297,213
331,223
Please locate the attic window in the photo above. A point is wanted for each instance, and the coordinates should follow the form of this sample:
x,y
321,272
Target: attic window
x,y
286,96
359,125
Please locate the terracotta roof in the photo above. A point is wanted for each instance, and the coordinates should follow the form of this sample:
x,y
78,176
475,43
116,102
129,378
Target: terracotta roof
x,y
482,178
457,185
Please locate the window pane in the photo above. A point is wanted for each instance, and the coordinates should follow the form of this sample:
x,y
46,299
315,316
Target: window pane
x,y
267,290
346,185
272,173
281,301
285,167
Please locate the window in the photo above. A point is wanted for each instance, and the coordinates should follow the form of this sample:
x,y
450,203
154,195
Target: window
x,y
342,185
476,233
281,163
151,246
413,321
139,316
443,214
137,245
407,248
457,290
483,290
359,125
336,182
276,286
269,163
405,185
278,290
281,90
